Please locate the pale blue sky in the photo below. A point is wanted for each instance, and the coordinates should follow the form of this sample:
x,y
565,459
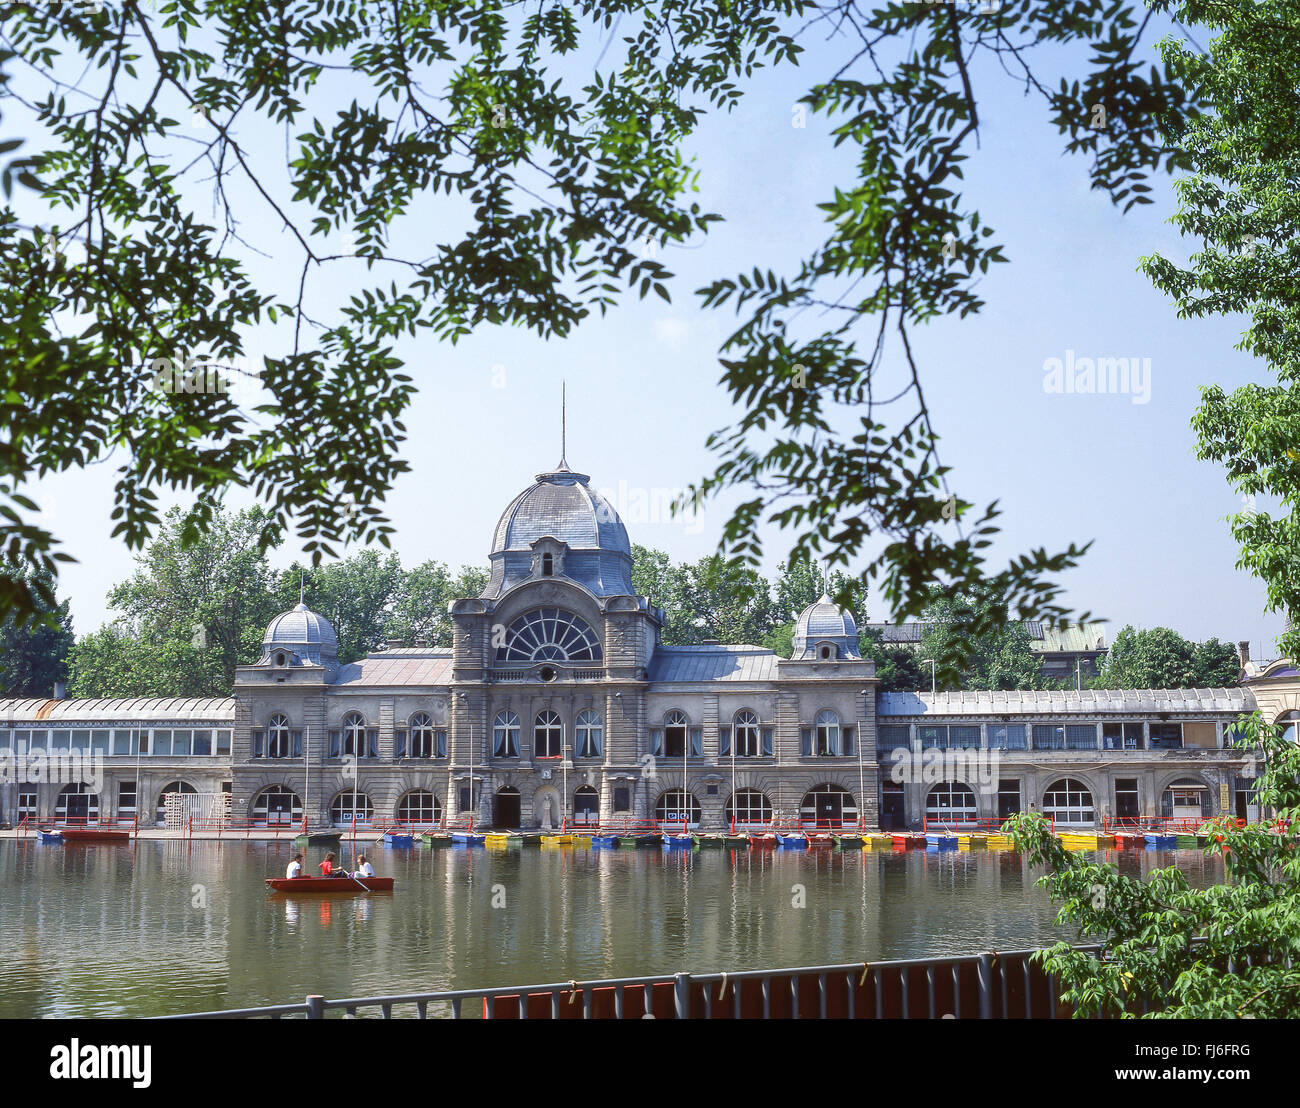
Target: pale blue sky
x,y
643,391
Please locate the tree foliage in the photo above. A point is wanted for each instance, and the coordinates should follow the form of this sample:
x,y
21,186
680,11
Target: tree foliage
x,y
34,654
1224,951
1242,202
1158,658
546,182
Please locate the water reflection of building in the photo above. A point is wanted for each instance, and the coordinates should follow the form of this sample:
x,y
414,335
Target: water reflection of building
x,y
558,700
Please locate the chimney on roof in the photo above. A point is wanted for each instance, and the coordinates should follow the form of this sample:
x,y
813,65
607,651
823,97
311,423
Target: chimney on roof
x,y
60,690
392,644
710,642
1243,651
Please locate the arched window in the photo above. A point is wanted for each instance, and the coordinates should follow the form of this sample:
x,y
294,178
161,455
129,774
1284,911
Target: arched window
x,y
548,734
1290,725
420,808
1186,798
505,735
175,788
746,734
586,806
277,806
675,729
277,737
77,806
748,809
1069,801
676,805
828,733
551,635
354,735
950,803
349,807
421,725
590,734
828,806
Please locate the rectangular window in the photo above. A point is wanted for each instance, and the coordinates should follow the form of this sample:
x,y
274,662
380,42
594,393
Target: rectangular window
x,y
1166,736
697,742
806,741
724,742
933,737
257,744
465,804
399,743
99,741
440,743
1081,736
181,743
126,799
768,742
657,742
223,742
1006,736
1008,797
295,742
29,740
964,738
26,803
893,737
81,740
6,740
336,744
1126,798
202,743
160,745
1049,736
372,743
123,742
622,799
60,740
1121,736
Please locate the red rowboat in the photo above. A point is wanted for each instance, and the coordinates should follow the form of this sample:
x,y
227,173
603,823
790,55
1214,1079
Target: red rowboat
x,y
93,835
330,884
762,840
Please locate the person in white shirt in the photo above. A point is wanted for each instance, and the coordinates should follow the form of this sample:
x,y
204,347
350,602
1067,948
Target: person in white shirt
x,y
295,867
365,869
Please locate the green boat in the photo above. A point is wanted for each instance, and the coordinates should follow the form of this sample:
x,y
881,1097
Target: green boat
x,y
848,842
628,841
1185,842
709,841
319,838
435,839
736,840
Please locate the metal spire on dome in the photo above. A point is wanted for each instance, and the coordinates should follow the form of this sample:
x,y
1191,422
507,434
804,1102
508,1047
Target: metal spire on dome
x,y
301,604
564,430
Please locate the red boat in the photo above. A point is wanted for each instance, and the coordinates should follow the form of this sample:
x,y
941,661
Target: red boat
x,y
90,834
330,884
762,840
819,838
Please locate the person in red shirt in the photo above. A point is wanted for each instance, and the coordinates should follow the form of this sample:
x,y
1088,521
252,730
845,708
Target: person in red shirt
x,y
327,868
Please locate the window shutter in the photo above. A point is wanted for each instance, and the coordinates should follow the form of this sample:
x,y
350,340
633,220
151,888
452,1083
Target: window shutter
x,y
805,741
767,742
399,744
257,744
724,742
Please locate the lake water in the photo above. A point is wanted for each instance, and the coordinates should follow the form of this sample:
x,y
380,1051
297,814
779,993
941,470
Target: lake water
x,y
157,927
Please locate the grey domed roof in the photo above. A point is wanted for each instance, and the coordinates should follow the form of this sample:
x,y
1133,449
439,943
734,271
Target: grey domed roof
x,y
562,506
307,634
825,621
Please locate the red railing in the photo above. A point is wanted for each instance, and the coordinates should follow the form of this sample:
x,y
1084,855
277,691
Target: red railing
x,y
985,825
1168,825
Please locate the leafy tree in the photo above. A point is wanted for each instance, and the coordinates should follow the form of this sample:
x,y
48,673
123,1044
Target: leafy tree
x,y
1159,658
658,577
556,185
34,655
356,594
1224,951
419,610
113,662
899,667
999,658
1242,201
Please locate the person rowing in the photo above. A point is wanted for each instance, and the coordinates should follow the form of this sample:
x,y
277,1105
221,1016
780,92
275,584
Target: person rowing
x,y
364,868
295,867
329,869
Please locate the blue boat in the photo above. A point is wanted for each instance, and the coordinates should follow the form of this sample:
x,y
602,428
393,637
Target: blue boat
x,y
940,840
1157,841
604,840
466,838
682,841
49,836
392,839
792,842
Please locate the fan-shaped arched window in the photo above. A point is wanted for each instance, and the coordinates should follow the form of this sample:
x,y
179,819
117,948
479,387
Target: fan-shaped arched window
x,y
421,725
590,734
552,635
505,735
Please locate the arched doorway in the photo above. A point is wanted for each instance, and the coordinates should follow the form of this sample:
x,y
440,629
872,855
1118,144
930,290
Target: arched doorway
x,y
277,806
675,805
828,806
174,788
586,806
749,809
507,809
350,807
1185,798
1069,802
77,806
419,808
951,803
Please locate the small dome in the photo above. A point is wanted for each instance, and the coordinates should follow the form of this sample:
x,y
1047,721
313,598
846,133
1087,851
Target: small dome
x,y
825,622
562,506
302,631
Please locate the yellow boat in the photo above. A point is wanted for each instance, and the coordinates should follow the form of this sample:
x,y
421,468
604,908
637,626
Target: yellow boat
x,y
999,842
1078,840
979,840
497,841
557,840
877,842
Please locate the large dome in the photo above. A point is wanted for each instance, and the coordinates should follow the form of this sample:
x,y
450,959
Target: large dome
x,y
310,636
562,506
